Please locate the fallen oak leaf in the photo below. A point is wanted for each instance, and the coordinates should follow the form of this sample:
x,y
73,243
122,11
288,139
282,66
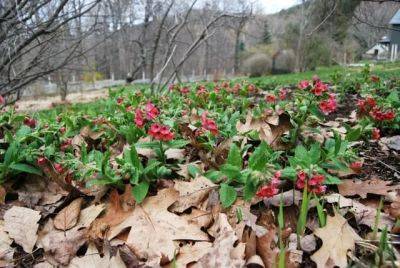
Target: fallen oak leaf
x,y
362,188
68,216
6,251
93,258
192,253
267,249
152,217
337,239
191,193
21,224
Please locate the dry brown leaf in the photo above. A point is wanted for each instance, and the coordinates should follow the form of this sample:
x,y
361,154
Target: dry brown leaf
x,y
6,252
192,253
59,245
267,249
199,217
92,258
339,199
88,215
362,188
87,132
294,258
249,237
255,262
391,142
22,225
183,168
152,217
223,252
288,199
173,153
337,239
191,193
115,214
366,215
269,133
68,216
394,209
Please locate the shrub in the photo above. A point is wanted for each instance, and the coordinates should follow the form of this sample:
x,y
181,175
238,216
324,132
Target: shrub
x,y
257,65
284,61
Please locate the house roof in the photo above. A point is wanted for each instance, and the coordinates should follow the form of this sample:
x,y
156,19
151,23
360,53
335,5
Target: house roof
x,y
396,18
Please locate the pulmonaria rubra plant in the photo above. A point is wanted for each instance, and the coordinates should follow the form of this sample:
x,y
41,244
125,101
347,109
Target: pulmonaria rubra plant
x,y
328,106
160,132
270,189
209,124
314,184
319,88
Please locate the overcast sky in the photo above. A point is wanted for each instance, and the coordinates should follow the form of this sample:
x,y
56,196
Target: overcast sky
x,y
273,6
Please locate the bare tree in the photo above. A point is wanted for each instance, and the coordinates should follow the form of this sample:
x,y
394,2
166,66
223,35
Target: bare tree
x,y
30,36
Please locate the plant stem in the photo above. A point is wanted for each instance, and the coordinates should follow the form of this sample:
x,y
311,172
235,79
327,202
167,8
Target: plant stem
x,y
162,153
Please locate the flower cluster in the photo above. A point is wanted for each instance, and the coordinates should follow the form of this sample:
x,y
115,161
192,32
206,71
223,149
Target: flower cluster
x,y
314,184
201,90
66,144
356,166
270,189
209,124
303,84
379,115
319,88
151,112
160,132
283,93
366,105
328,106
270,98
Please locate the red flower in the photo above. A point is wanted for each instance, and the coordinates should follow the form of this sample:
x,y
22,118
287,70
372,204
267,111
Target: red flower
x,y
319,88
316,180
62,130
225,84
270,98
120,101
356,166
371,102
209,124
30,122
283,93
201,90
328,106
151,111
376,134
129,108
271,188
161,132
217,89
65,145
139,120
185,90
378,115
59,168
303,84
251,88
375,78
171,87
2,100
301,180
320,189
41,161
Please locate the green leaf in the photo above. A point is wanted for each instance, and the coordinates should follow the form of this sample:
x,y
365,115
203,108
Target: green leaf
x,y
353,134
315,153
193,171
259,158
234,157
25,168
134,158
177,144
140,191
289,172
148,145
249,190
11,153
301,154
329,179
232,172
22,132
213,175
227,195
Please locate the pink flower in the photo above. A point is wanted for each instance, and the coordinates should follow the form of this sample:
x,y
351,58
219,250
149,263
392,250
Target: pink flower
x,y
160,132
270,98
320,189
185,90
30,122
376,134
201,90
316,180
209,124
271,188
120,101
2,100
319,88
59,168
303,84
315,79
139,120
151,111
328,106
251,88
283,93
41,161
356,166
301,180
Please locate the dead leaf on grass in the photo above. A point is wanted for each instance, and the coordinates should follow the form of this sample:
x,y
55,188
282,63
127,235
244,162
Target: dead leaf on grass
x,y
68,216
337,239
362,188
21,224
